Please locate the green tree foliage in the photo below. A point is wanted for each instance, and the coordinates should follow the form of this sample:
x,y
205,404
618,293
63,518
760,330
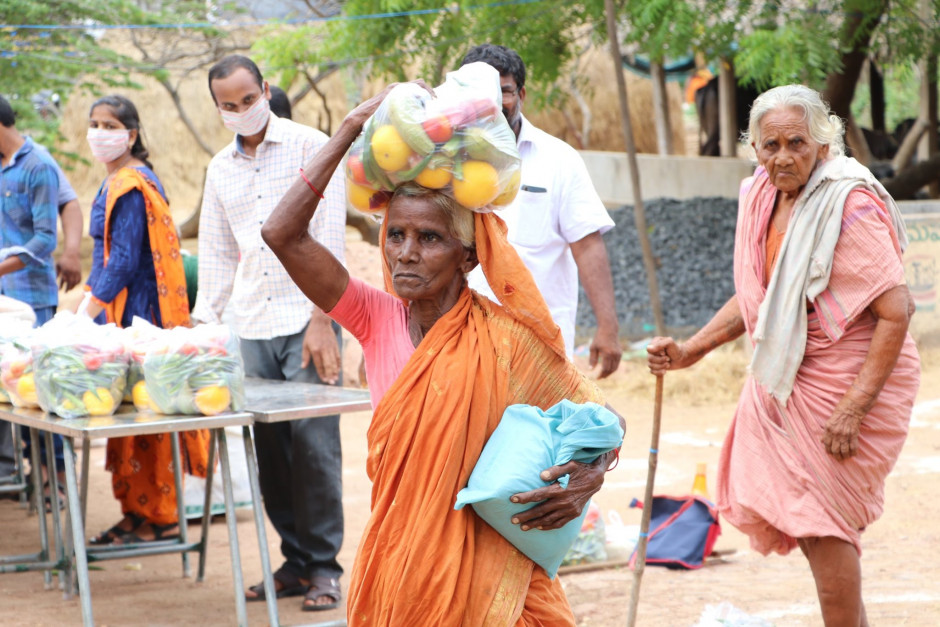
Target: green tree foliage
x,y
428,38
55,59
58,46
662,29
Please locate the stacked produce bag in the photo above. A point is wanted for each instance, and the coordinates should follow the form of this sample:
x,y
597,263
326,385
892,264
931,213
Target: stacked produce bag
x,y
17,384
457,141
73,367
80,367
140,337
195,371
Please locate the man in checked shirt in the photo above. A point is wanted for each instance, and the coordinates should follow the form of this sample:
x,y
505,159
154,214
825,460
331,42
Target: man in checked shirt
x,y
283,336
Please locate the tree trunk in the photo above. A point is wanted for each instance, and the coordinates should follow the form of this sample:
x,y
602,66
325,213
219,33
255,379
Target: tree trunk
x,y
639,214
856,143
728,108
190,226
661,109
175,96
861,18
876,90
928,112
908,146
911,179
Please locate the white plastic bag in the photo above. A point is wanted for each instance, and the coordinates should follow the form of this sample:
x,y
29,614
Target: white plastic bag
x,y
80,366
457,142
726,615
195,371
621,538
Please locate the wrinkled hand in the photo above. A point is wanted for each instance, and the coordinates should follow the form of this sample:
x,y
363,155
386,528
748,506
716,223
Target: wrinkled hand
x,y
664,354
68,268
561,505
841,435
605,348
321,346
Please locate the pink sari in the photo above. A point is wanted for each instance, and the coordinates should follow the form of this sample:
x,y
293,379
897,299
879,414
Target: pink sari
x,y
775,481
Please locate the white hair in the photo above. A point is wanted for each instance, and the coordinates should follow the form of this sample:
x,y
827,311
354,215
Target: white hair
x,y
824,127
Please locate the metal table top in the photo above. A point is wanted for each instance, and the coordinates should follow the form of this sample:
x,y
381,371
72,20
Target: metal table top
x,y
127,421
275,401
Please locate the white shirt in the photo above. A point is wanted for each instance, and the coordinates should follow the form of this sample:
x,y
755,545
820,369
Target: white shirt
x,y
556,205
234,262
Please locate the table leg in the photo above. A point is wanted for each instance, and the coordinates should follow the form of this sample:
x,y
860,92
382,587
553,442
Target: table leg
x,y
54,502
78,532
258,509
40,503
180,501
238,582
18,461
86,464
206,510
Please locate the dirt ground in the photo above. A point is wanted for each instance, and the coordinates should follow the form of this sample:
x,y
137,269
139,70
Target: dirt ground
x,y
898,564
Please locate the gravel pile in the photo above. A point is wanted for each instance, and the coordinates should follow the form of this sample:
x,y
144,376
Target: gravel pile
x,y
693,243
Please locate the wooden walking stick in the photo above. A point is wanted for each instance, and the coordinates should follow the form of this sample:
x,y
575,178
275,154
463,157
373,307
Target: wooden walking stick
x,y
640,562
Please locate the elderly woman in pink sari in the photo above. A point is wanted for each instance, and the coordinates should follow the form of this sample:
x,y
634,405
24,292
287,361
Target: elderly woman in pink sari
x,y
819,290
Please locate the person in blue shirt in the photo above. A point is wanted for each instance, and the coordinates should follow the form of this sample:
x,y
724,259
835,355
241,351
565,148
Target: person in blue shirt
x,y
29,192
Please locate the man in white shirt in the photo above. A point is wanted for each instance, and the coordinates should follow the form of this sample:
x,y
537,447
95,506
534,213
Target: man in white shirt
x,y
283,336
557,220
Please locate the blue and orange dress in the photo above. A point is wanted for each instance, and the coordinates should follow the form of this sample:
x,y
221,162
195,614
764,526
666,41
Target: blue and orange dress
x,y
137,270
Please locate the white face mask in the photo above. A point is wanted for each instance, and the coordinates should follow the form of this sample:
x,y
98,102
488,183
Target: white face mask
x,y
108,144
250,122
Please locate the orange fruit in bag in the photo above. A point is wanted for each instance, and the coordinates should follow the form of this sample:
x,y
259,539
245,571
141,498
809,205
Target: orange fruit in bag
x,y
512,188
389,150
212,399
141,397
366,199
98,402
480,184
26,389
434,178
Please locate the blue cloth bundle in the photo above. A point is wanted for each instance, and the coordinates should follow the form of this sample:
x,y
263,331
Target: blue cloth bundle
x,y
526,442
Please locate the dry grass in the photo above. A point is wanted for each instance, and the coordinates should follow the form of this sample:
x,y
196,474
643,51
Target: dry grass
x,y
714,380
602,96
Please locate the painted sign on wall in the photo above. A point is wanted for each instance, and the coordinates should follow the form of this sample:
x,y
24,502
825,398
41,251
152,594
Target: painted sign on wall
x,y
922,268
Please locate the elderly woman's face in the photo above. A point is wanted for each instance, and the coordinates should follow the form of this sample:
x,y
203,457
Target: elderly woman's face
x,y
424,258
787,150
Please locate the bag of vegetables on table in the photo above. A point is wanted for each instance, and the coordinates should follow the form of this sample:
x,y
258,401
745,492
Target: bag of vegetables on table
x,y
139,338
80,366
457,142
16,368
195,371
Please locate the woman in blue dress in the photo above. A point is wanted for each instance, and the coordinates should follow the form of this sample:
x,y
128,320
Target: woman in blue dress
x,y
137,270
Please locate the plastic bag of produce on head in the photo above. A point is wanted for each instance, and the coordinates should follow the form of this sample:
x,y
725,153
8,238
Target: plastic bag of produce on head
x,y
195,371
138,339
16,368
80,366
457,141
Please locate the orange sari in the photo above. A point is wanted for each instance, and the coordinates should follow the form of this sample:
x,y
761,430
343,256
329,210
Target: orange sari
x,y
420,562
142,466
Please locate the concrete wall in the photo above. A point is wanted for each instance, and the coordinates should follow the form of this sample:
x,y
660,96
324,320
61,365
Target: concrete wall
x,y
665,177
682,178
922,269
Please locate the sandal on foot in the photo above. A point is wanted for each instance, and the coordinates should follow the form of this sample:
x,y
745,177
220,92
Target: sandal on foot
x,y
116,531
286,584
322,587
160,534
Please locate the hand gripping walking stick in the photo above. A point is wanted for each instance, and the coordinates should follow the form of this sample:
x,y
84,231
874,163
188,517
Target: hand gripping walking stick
x,y
640,562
